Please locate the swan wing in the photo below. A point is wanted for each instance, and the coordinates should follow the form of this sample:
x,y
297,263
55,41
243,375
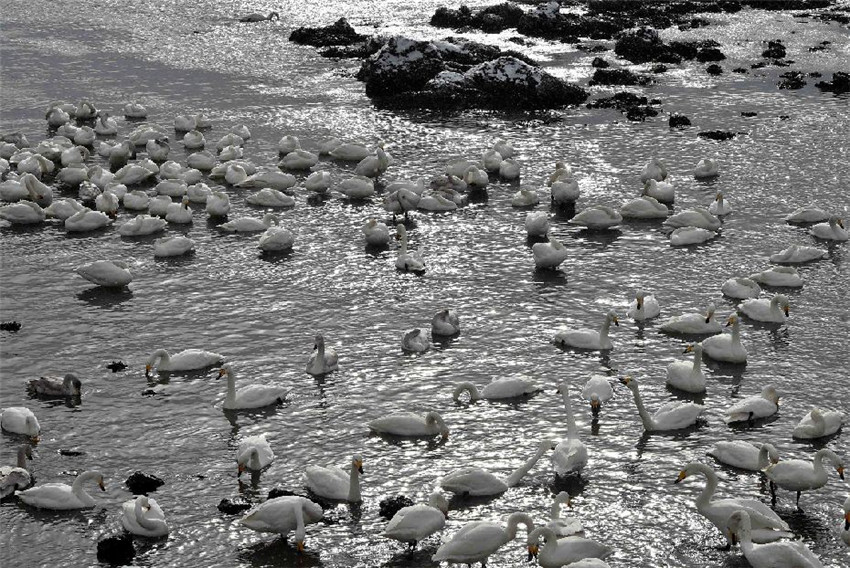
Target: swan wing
x,y
569,456
415,523
329,482
675,415
257,396
473,481
474,541
401,424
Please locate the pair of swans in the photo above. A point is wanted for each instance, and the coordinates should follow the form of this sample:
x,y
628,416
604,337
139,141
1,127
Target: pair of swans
x,y
570,455
818,424
477,540
644,307
418,522
60,496
187,360
20,420
323,359
693,323
588,339
407,261
335,483
770,555
754,407
282,515
803,475
498,389
726,347
687,376
253,454
572,551
411,424
249,396
14,478
673,415
773,310
142,516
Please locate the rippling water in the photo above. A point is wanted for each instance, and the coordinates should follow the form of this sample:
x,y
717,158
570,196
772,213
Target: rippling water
x,y
262,312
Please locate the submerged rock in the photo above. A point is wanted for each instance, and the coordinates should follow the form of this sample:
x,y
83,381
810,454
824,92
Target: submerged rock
x,y
840,83
599,63
233,506
679,121
643,45
714,69
10,326
392,505
719,135
748,113
618,77
338,33
635,107
116,549
141,483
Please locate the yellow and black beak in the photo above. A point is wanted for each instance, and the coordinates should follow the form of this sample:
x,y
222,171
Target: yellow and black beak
x,y
221,373
730,321
733,537
617,321
299,546
359,465
639,303
785,309
847,521
147,370
707,318
690,348
840,470
532,552
841,223
595,405
241,469
625,380
101,485
682,475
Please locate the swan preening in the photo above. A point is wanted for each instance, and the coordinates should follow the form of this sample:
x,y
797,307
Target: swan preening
x,y
253,454
417,522
557,552
20,420
411,424
673,415
739,528
59,496
282,515
563,526
17,477
818,424
334,483
803,475
507,387
754,407
142,516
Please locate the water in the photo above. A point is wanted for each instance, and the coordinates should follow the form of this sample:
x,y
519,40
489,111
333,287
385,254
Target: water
x,y
262,312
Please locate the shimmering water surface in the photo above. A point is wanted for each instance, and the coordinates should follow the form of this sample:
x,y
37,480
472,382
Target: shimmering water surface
x,y
262,312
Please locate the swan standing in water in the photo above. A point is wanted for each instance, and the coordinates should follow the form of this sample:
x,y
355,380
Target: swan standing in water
x,y
687,376
477,482
694,323
249,396
597,390
726,347
587,338
754,407
769,526
570,455
818,424
773,310
832,230
773,555
60,496
673,415
508,387
188,360
334,483
445,323
557,552
142,516
253,454
20,420
418,522
644,307
549,255
322,360
407,261
477,540
744,455
282,515
106,273
13,478
411,424
803,475
70,385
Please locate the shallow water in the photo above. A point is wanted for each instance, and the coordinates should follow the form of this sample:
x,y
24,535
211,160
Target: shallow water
x,y
262,312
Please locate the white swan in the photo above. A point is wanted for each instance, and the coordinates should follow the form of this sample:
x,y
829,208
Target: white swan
x,y
644,307
107,273
769,525
135,110
133,174
407,261
497,389
268,197
20,420
570,455
587,338
61,497
773,310
491,160
289,143
418,522
107,202
350,152
477,482
772,555
318,182
798,254
644,207
662,191
37,191
818,424
557,552
525,198
87,220
254,453
696,217
376,233
172,187
726,347
719,206
282,515
537,224
322,360
276,239
357,187
549,255
779,276
445,323
414,341
476,541
509,169
373,165
159,205
685,375
845,534
142,516
436,201
597,390
563,526
273,180
172,246
248,224
187,360
741,288
85,110
198,193
475,177
203,160
807,214
655,169
833,230
14,478
22,213
157,150
179,212
693,323
194,140
803,475
71,176
298,160
673,415
136,200
504,149
597,217
744,455
411,424
142,225
249,396
69,385
218,204
564,191
706,168
333,483
754,407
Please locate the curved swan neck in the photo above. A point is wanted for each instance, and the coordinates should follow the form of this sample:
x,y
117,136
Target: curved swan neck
x,y
298,513
474,394
710,484
160,355
645,417
515,519
77,488
560,499
766,455
520,472
603,331
821,455
550,539
697,361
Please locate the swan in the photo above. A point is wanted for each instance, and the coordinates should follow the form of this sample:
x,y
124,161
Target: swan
x,y
158,206
88,193
85,110
769,526
673,415
17,477
772,310
741,288
661,191
137,200
100,176
253,453
194,140
20,420
475,177
557,552
644,307
719,206
105,125
357,187
726,347
525,198
56,117
507,387
38,165
744,455
562,172
198,193
376,233
333,483
282,515
418,522
142,516
203,160
22,213
276,239
63,208
772,555
249,396
654,169
71,176
185,123
172,246
477,540
187,360
570,455
509,169
779,276
229,139
13,190
587,338
564,191
411,424
85,135
802,475
179,212
142,225
549,255
476,482
537,224
218,205
172,187
436,201
322,360
135,110
696,217
445,323
75,155
563,526
273,180
133,174
818,424
289,144
798,254
69,385
298,160
107,202
268,197
414,341
233,172
60,497
693,323
407,261
319,181
373,165
833,230
107,273
597,217
644,207
687,376
597,390
807,214
350,152
504,149
249,224
706,168
145,132
754,407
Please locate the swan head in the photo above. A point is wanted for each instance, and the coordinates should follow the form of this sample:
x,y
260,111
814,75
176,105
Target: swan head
x,y
318,341
533,549
694,348
769,392
732,320
612,317
225,369
709,312
547,444
630,382
433,417
595,404
738,523
639,298
357,463
401,232
564,498
72,384
782,300
439,502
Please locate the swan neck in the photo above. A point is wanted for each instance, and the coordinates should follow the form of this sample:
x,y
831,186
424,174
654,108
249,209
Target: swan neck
x,y
474,394
522,470
710,486
514,520
231,386
22,457
298,513
354,485
736,332
603,331
572,430
645,417
697,362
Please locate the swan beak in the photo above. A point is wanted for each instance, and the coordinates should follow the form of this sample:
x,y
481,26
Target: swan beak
x,y
532,552
359,465
625,380
690,348
841,223
147,370
733,537
594,406
240,469
300,547
100,484
785,309
617,321
682,475
840,471
639,303
35,440
221,373
847,521
708,318
729,322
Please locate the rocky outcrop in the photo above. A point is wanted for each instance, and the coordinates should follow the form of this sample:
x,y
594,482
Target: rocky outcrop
x,y
389,506
338,33
116,549
792,80
618,77
714,69
491,19
141,483
233,506
599,63
678,121
719,135
775,50
643,45
840,83
635,107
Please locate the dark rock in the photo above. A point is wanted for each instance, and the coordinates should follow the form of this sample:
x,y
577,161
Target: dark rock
x,y
775,50
840,83
655,102
758,65
749,113
401,65
714,69
787,4
660,68
116,366
815,74
640,113
792,80
679,121
783,62
497,18
817,48
338,33
707,54
71,453
784,117
233,506
599,63
739,70
448,18
280,492
720,135
141,483
391,505
117,549
10,326
620,101
643,45
360,50
618,77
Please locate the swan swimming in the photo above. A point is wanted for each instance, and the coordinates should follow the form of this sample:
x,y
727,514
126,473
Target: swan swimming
x,y
706,169
673,415
107,273
537,224
687,376
744,455
248,224
411,424
661,191
322,360
563,526
597,390
253,453
557,552
415,341
655,169
644,307
644,207
779,276
818,424
276,239
417,522
14,478
833,230
773,310
726,347
142,516
497,389
172,246
187,360
445,323
87,220
334,483
268,197
62,497
249,396
20,420
597,217
696,217
549,255
69,385
407,261
741,288
376,233
587,338
693,323
807,214
477,540
785,553
798,254
719,206
754,407
570,455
